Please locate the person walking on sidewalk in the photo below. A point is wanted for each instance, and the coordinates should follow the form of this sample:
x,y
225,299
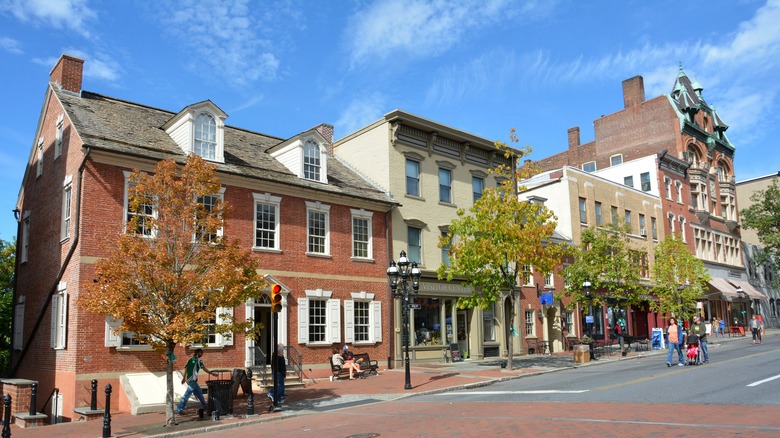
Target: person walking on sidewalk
x,y
279,368
699,329
674,336
756,328
194,365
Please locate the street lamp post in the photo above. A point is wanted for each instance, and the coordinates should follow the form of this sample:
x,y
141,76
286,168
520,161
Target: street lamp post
x,y
742,298
586,287
405,292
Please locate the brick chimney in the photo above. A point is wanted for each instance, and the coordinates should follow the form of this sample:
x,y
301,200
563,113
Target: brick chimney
x,y
633,91
327,132
67,72
574,137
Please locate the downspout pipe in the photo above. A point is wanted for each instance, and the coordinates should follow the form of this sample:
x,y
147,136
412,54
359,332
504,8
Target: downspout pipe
x,y
61,272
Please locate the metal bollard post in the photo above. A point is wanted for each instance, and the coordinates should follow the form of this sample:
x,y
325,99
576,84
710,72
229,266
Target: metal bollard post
x,y
7,416
250,399
33,398
93,402
107,413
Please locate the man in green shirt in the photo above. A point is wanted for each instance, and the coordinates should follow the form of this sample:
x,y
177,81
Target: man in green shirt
x,y
194,365
699,329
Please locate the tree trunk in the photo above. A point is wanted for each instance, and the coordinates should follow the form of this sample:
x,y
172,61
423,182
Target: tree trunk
x,y
169,401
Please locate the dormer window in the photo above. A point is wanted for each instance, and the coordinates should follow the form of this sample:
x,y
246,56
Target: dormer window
x,y
311,161
205,136
199,129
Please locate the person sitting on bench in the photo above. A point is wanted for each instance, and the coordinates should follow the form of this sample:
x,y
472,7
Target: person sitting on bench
x,y
350,364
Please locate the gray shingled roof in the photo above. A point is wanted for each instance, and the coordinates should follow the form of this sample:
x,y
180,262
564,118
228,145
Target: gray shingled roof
x,y
129,128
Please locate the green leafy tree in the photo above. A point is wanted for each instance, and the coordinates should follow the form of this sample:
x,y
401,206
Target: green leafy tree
x,y
500,234
166,277
764,217
679,279
606,259
7,268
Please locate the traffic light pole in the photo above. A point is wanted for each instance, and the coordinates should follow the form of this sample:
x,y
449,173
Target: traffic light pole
x,y
275,322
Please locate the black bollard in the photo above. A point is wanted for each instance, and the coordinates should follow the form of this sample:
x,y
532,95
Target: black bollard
x,y
107,413
250,399
7,416
93,402
33,398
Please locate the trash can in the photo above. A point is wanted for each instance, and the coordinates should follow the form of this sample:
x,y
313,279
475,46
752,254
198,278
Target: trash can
x,y
220,396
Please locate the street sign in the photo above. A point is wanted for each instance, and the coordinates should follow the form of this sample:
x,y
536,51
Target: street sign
x,y
413,306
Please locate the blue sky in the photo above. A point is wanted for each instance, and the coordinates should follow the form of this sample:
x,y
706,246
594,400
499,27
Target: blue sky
x,y
281,67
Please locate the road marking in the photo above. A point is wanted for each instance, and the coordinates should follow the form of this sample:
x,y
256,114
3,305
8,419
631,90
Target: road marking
x,y
765,380
539,391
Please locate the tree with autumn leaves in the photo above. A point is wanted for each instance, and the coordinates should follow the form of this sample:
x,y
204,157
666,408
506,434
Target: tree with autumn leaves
x,y
173,270
489,245
679,279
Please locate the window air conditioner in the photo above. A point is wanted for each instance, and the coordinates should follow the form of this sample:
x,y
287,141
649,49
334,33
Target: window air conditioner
x,y
643,232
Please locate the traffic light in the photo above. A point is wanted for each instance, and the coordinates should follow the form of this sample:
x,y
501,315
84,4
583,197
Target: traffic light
x,y
276,298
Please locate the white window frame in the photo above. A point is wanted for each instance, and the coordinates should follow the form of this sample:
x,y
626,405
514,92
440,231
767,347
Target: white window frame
x,y
367,216
682,228
59,317
332,317
549,280
588,165
39,158
419,245
670,217
678,186
67,202
445,187
530,323
668,185
489,323
616,160
270,201
526,275
374,326
58,137
221,197
318,208
477,187
644,177
25,252
312,161
205,142
583,207
152,233
418,177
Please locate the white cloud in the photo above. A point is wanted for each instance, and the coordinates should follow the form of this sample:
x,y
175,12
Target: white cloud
x,y
100,67
456,82
227,38
360,112
10,45
60,14
757,41
413,28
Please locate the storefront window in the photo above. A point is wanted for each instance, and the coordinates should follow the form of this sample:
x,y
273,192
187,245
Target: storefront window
x,y
488,324
427,322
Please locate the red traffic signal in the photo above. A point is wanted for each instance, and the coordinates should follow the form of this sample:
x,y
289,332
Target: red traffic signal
x,y
276,298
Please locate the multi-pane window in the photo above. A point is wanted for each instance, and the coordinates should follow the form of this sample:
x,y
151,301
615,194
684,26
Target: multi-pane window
x,y
59,317
583,212
654,228
488,324
445,251
529,322
598,213
58,137
266,221
682,229
644,180
445,185
361,234
140,217
671,223
317,320
208,202
642,229
614,212
318,227
362,321
628,181
589,166
205,136
67,195
414,244
311,161
628,219
668,186
615,160
527,275
477,186
548,280
412,177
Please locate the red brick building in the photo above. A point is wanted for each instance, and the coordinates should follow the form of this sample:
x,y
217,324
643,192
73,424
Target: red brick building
x,y
318,228
694,162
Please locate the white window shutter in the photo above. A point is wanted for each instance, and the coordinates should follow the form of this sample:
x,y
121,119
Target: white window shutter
x,y
349,321
227,338
303,320
53,329
18,340
113,339
333,319
62,327
376,321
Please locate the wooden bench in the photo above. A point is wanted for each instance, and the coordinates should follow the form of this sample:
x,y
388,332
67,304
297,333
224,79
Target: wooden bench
x,y
337,370
367,365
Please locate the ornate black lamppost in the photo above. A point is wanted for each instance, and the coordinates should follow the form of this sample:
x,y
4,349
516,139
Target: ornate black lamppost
x,y
405,292
586,287
743,299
